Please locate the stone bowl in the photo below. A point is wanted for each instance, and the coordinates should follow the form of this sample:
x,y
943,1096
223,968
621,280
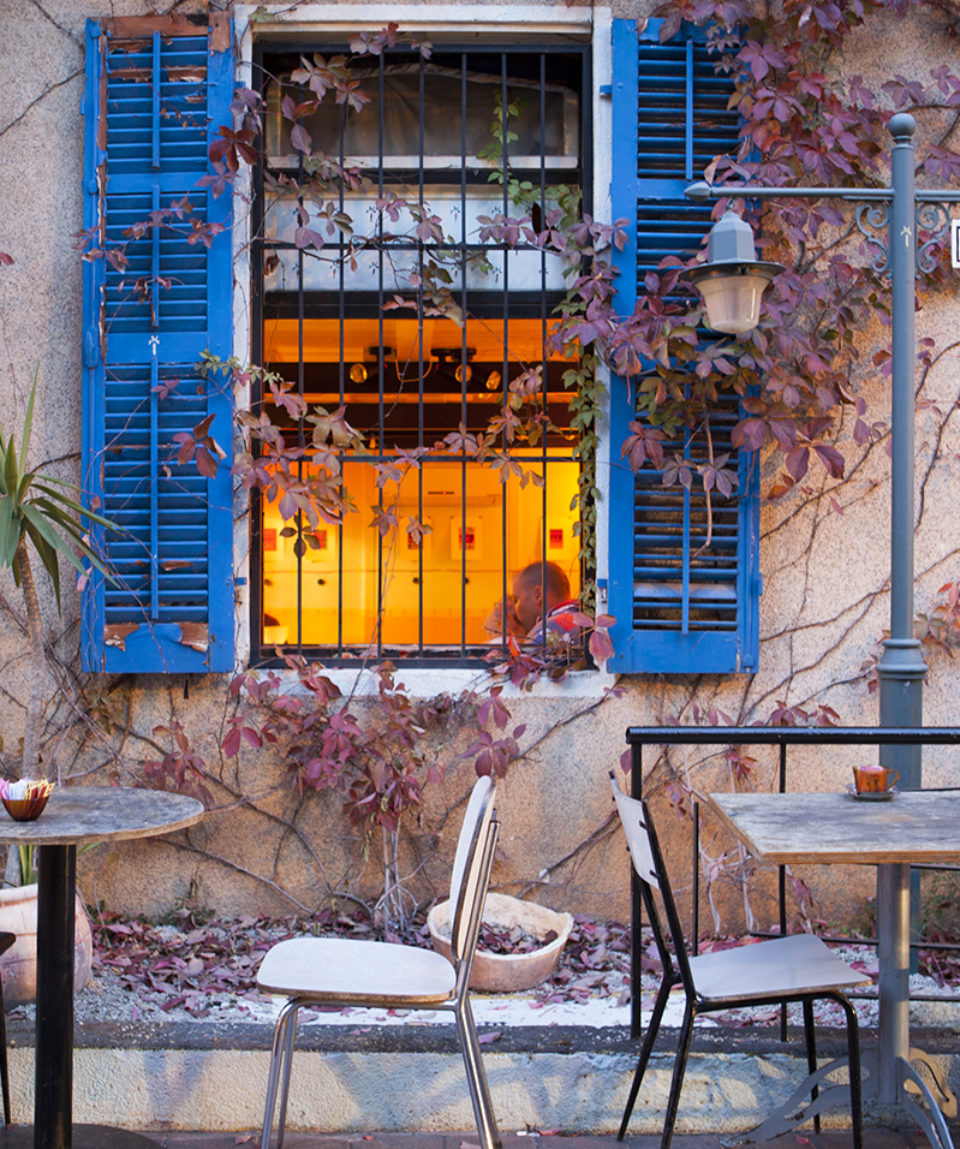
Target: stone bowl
x,y
503,973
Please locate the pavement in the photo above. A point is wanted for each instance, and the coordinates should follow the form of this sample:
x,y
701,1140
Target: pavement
x,y
833,1139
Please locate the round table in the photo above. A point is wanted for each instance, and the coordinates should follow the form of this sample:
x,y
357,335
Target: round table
x,y
74,817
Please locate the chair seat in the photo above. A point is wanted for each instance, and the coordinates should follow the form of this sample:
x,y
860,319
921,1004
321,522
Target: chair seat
x,y
800,963
351,972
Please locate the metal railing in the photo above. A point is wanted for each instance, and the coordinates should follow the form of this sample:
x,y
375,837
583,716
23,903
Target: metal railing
x,y
783,737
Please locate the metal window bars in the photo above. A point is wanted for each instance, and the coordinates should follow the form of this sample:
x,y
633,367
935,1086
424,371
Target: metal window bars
x,y
377,292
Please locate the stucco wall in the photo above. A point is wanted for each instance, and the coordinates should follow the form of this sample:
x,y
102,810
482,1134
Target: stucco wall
x,y
824,558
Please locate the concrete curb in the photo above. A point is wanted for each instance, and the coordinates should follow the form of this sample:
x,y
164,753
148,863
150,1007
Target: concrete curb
x,y
211,1077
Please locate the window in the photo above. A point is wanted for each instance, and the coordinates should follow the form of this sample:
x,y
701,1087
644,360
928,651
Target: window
x,y
684,580
356,322
377,292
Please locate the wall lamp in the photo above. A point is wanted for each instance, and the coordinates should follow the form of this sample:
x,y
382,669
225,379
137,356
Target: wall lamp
x,y
733,280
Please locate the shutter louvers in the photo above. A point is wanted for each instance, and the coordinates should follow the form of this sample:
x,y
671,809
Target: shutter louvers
x,y
684,581
157,89
687,556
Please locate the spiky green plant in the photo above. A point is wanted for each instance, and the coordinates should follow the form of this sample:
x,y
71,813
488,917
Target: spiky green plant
x,y
37,513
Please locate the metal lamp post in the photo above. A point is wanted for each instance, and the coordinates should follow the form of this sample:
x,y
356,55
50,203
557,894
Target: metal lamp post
x,y
901,669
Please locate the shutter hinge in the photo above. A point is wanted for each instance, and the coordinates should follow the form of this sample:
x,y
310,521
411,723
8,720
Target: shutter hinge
x,y
239,580
606,91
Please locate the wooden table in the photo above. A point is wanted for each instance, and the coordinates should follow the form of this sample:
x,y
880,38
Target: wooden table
x,y
74,817
824,829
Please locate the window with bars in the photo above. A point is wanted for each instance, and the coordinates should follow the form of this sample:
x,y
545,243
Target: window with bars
x,y
399,311
355,324
684,579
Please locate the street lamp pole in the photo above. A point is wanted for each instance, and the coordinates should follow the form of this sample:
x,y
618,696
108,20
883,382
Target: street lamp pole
x,y
901,669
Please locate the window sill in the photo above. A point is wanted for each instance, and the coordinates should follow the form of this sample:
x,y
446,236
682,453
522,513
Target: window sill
x,y
425,682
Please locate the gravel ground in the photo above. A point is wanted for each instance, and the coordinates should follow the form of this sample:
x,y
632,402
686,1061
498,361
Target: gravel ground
x,y
205,971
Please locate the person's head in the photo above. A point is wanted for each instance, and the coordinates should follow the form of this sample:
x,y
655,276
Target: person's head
x,y
537,586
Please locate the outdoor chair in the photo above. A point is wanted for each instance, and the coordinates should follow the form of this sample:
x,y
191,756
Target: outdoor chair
x,y
6,941
314,971
799,968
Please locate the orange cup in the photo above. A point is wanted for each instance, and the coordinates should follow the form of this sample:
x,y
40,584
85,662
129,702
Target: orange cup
x,y
874,779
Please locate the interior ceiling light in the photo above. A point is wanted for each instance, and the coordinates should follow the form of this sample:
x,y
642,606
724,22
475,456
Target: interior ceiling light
x,y
358,373
463,373
493,381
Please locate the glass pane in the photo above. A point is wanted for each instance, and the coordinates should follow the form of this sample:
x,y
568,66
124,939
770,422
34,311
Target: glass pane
x,y
431,382
472,525
398,254
444,110
340,321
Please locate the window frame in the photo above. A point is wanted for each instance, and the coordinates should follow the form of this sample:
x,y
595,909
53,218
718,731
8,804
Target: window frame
x,y
508,35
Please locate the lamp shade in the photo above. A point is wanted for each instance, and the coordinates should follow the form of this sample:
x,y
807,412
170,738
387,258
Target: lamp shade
x,y
733,280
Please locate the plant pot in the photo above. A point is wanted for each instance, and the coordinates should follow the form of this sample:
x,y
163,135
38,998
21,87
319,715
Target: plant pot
x,y
502,973
18,966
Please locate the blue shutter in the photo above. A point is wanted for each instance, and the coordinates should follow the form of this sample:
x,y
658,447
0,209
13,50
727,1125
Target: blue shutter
x,y
681,608
157,89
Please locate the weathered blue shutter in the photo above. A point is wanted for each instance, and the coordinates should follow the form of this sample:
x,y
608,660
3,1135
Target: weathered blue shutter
x,y
681,607
157,90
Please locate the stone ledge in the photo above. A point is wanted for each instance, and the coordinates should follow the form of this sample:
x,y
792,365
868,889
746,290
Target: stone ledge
x,y
211,1077
438,1037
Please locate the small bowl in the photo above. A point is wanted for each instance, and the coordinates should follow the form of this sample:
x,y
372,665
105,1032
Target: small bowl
x,y
26,809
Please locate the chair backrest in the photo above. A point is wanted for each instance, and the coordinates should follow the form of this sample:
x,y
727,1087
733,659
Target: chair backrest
x,y
471,869
648,865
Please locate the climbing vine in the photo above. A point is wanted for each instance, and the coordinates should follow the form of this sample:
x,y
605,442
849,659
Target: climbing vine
x,y
804,379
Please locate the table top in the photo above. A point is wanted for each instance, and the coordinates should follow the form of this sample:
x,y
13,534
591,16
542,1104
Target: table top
x,y
787,829
78,814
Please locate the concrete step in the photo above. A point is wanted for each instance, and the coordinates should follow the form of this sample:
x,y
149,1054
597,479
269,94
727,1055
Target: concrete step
x,y
369,1079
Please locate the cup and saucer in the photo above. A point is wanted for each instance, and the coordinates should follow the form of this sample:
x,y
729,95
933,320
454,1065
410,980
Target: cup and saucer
x,y
873,784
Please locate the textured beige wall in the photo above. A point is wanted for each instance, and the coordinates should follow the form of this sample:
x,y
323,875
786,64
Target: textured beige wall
x,y
822,613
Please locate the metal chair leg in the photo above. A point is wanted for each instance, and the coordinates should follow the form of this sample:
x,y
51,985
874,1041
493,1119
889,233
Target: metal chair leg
x,y
4,1071
663,994
679,1068
282,1043
6,941
810,1034
856,1081
476,1077
291,1033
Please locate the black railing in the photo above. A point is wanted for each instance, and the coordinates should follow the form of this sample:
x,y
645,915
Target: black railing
x,y
782,737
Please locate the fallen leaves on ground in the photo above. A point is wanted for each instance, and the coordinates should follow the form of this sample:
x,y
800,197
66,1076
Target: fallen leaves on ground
x,y
197,964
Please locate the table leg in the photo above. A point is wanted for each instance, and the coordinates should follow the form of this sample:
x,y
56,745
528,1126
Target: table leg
x,y
53,1102
53,1126
893,934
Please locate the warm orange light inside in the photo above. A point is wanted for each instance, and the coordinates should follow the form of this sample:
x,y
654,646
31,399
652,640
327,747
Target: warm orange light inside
x,y
438,591
489,340
455,570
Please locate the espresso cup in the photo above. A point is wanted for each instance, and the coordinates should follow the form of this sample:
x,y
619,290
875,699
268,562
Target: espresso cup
x,y
874,779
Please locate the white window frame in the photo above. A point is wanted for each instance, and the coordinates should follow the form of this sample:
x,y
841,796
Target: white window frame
x,y
590,23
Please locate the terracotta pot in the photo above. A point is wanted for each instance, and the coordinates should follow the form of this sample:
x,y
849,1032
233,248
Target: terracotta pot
x,y
18,966
502,973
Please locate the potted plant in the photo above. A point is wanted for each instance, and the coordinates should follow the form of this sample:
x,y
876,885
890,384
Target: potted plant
x,y
39,516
